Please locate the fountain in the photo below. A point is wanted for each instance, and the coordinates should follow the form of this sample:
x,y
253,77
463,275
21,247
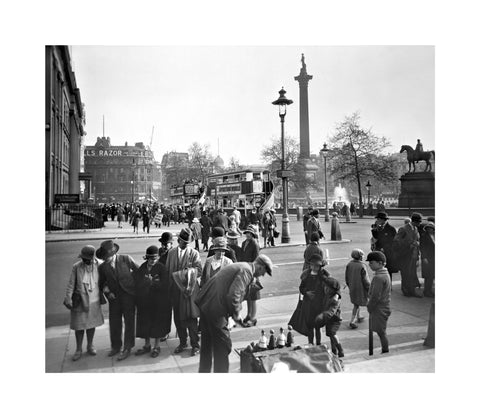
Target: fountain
x,y
340,194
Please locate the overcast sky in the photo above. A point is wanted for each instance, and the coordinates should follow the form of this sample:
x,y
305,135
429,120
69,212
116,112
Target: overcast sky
x,y
222,95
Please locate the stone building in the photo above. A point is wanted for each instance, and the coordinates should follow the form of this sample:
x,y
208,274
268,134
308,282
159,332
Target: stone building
x,y
123,173
64,125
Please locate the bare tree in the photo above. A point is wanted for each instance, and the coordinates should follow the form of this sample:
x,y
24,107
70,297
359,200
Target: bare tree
x,y
234,164
200,161
358,155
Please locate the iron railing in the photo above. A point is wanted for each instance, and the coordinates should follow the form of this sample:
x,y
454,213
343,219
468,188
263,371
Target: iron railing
x,y
73,216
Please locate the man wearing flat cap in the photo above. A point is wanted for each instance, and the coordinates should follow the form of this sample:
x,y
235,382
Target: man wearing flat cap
x,y
220,298
117,283
184,267
383,235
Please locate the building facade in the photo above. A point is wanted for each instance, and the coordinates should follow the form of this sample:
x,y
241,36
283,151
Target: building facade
x,y
120,174
64,125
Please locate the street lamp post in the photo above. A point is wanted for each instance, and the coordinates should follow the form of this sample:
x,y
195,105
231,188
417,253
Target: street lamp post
x,y
324,151
282,102
368,186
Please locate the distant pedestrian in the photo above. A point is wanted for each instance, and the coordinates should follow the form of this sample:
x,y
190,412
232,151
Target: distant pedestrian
x,y
335,233
268,226
83,298
306,217
352,209
378,305
135,220
313,225
358,282
120,216
154,309
206,223
196,232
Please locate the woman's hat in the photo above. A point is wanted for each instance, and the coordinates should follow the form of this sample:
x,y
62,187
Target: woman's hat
x,y
107,249
416,217
87,252
381,215
185,235
195,220
151,252
429,225
166,237
219,243
314,237
251,230
357,253
233,234
332,283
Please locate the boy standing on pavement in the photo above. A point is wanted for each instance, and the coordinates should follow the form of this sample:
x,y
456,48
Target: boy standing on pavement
x,y
378,305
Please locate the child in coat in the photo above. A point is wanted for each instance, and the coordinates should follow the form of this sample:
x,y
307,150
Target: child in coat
x,y
358,282
331,315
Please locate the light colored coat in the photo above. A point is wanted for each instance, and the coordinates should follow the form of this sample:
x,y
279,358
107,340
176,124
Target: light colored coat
x,y
78,271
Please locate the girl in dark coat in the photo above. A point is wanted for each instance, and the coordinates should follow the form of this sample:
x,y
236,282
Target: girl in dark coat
x,y
358,282
312,289
154,310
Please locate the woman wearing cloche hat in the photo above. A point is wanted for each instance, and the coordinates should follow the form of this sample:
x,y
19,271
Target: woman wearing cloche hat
x,y
154,309
217,261
83,299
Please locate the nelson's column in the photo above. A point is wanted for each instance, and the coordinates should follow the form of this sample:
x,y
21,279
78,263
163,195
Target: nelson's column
x,y
304,167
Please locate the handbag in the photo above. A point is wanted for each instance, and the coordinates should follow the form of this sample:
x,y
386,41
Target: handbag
x,y
275,232
298,321
76,297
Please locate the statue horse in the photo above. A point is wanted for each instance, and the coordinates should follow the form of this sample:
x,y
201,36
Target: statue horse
x,y
414,157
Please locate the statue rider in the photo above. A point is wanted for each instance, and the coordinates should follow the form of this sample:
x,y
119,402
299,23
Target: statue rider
x,y
418,149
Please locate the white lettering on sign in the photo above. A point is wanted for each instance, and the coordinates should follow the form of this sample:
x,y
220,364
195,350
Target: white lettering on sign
x,y
110,153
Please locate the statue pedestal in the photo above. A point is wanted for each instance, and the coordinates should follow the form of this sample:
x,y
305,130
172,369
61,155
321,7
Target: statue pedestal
x,y
417,190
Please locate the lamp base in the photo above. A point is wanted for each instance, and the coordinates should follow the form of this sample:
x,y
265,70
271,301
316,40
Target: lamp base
x,y
285,229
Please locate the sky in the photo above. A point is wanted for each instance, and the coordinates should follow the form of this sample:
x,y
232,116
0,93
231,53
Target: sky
x,y
221,95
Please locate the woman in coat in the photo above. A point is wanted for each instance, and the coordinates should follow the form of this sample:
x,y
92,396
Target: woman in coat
x,y
312,289
217,261
154,309
196,228
84,300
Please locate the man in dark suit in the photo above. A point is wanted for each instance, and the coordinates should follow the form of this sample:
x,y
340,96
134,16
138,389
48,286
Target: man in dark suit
x,y
220,298
116,282
383,234
221,220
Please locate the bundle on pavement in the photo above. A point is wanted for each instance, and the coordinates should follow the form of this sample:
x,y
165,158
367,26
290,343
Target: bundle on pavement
x,y
316,359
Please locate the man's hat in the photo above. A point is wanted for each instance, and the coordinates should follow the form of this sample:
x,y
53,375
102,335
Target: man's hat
x,y
185,235
376,256
381,215
219,243
107,249
251,230
416,217
218,231
265,261
232,234
87,252
166,238
151,252
315,212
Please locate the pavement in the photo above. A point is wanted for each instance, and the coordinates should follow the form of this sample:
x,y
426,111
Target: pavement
x,y
407,328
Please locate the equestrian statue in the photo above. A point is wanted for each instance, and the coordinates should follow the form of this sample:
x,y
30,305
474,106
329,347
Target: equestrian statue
x,y
418,154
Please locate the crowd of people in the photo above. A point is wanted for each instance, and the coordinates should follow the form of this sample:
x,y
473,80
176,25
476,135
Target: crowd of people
x,y
205,299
